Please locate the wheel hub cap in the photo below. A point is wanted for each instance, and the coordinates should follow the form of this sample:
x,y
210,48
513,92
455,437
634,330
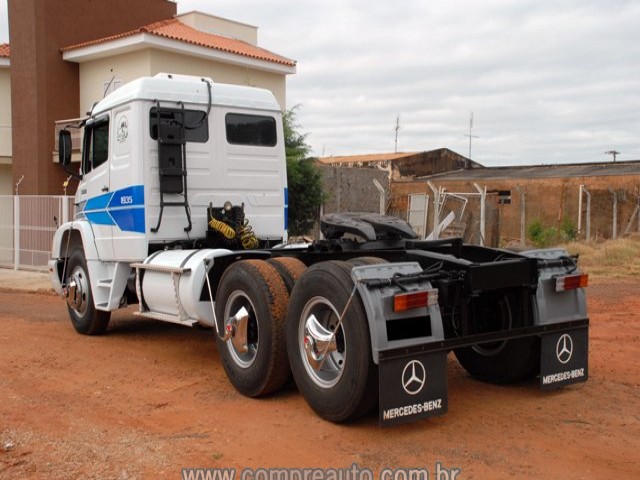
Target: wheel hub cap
x,y
318,342
75,291
236,330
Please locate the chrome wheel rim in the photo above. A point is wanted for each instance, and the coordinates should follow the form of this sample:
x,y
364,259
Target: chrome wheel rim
x,y
327,372
76,291
235,302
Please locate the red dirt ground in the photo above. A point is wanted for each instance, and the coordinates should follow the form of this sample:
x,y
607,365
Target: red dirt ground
x,y
147,399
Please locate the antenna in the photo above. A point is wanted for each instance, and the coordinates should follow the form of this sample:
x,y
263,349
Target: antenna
x,y
397,128
470,135
614,153
106,89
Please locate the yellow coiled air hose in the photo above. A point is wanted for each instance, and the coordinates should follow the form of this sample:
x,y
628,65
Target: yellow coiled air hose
x,y
247,237
227,232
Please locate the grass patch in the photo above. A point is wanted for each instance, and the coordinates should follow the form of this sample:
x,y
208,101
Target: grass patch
x,y
618,258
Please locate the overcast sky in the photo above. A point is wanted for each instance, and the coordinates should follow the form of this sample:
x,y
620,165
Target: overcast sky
x,y
547,81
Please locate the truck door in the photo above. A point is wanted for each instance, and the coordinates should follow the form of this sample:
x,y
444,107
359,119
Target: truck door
x,y
126,206
93,192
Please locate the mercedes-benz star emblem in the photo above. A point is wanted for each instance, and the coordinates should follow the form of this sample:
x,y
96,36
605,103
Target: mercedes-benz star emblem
x,y
414,377
564,348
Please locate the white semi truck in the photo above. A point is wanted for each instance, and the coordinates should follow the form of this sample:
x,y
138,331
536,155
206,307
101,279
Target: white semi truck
x,y
182,208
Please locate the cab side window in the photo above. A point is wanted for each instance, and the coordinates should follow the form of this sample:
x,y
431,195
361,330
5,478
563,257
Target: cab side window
x,y
194,122
96,145
254,130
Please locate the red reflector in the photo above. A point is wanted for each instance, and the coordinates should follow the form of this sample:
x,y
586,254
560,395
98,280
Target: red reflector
x,y
571,282
409,301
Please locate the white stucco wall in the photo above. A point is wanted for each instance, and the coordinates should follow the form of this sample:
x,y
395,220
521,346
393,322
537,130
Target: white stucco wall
x,y
94,75
126,67
220,72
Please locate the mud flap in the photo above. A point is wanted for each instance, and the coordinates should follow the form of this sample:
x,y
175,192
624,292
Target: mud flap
x,y
564,358
412,388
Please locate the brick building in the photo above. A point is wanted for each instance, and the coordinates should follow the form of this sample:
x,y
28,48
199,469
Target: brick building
x,y
406,165
601,200
67,54
496,205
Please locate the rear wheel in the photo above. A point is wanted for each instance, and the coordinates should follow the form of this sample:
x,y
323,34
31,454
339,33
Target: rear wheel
x,y
504,361
331,362
252,302
289,268
82,311
360,261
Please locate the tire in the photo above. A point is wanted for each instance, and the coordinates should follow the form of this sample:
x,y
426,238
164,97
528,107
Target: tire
x,y
360,261
289,268
346,385
502,362
257,286
82,311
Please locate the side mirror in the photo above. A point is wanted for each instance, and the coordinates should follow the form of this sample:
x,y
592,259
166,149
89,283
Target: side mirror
x,y
64,147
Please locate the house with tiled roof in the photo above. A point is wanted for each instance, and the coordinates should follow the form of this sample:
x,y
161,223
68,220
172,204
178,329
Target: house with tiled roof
x,y
194,43
69,54
5,120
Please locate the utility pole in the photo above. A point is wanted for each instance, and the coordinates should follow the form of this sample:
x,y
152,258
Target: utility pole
x,y
470,135
614,153
397,128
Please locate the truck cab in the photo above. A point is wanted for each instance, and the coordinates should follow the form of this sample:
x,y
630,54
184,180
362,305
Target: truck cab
x,y
160,150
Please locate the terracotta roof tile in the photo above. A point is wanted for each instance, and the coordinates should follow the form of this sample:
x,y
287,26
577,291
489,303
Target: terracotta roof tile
x,y
176,30
4,50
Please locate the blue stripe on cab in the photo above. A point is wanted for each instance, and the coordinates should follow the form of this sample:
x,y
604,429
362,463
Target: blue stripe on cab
x,y
130,219
286,208
98,203
100,218
123,208
128,197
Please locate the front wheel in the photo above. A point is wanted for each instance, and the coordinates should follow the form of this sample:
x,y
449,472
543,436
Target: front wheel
x,y
331,361
82,311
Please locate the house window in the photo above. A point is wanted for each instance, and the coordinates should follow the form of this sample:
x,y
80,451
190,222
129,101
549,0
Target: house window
x,y
96,144
255,130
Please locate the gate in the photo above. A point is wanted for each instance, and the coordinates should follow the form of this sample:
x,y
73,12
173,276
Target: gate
x,y
27,226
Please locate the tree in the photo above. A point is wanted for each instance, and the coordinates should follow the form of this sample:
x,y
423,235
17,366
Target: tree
x,y
295,143
303,176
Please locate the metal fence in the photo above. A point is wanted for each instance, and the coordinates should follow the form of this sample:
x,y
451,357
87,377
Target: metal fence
x,y
27,225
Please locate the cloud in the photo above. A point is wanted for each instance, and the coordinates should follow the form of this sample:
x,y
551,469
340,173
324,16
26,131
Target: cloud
x,y
548,82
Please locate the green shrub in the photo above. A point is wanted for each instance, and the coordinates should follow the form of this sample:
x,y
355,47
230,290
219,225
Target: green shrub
x,y
542,237
568,230
535,231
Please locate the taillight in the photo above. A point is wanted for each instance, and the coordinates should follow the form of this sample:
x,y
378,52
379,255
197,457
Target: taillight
x,y
571,282
409,301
